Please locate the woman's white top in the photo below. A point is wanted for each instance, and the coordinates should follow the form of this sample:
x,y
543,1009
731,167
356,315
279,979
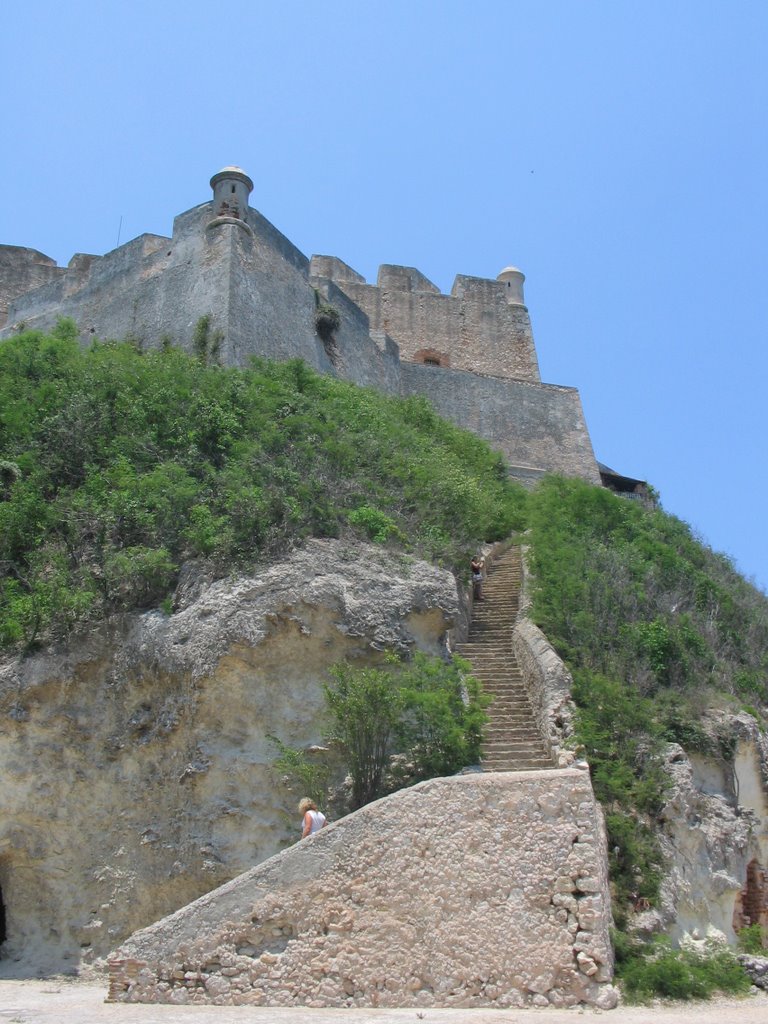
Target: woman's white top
x,y
318,820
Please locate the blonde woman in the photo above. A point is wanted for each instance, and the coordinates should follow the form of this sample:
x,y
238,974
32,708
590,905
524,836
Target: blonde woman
x,y
312,819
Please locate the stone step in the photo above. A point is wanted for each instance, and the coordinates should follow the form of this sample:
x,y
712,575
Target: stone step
x,y
506,690
510,702
508,678
509,711
511,739
499,658
494,750
496,753
526,737
523,765
499,715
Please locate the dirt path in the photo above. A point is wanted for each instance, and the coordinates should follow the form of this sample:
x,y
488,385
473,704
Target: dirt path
x,y
72,1002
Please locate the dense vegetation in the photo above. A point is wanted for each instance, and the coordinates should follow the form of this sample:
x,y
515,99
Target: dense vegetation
x,y
694,972
116,466
656,628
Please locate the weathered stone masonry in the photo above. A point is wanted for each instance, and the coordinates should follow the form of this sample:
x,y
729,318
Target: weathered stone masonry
x,y
479,890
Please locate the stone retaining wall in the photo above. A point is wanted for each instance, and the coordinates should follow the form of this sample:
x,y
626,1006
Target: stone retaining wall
x,y
478,890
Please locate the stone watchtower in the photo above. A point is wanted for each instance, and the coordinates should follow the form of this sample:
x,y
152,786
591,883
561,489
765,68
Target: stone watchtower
x,y
513,279
231,189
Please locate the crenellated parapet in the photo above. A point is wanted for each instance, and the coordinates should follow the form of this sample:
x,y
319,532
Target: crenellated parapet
x,y
481,327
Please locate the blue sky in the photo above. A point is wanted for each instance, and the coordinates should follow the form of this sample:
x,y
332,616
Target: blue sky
x,y
616,151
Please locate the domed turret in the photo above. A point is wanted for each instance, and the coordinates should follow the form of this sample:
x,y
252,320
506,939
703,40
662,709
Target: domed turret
x,y
513,278
231,188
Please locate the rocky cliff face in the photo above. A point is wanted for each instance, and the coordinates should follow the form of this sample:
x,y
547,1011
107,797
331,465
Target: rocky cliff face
x,y
135,763
715,825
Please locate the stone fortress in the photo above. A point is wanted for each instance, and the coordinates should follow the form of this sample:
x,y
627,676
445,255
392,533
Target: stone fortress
x,y
137,765
471,352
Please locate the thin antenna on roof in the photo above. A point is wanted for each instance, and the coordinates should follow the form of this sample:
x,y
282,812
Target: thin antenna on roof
x,y
119,229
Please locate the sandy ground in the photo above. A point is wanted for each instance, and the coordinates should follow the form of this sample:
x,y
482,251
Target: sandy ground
x,y
64,1001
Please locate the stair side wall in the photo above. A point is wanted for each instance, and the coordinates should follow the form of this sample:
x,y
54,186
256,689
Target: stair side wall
x,y
546,677
477,890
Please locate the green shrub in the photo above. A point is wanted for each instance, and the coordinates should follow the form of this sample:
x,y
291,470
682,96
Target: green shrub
x,y
301,774
659,971
137,576
364,708
376,525
753,939
442,718
429,710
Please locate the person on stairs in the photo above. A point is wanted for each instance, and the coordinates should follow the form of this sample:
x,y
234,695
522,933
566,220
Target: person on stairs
x,y
477,565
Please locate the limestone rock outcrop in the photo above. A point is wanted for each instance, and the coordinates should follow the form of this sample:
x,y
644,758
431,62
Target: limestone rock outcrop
x,y
714,835
135,763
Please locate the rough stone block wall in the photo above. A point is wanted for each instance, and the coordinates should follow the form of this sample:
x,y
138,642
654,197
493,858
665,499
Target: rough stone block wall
x,y
22,269
535,426
549,686
140,290
355,354
474,328
478,890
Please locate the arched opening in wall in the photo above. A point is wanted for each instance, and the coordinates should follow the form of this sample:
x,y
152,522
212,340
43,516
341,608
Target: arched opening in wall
x,y
431,357
752,902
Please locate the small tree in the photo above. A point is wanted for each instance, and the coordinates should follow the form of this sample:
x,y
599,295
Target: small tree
x,y
443,715
300,774
365,709
427,709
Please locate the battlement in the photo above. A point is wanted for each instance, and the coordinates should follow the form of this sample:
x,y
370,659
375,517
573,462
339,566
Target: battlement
x,y
482,326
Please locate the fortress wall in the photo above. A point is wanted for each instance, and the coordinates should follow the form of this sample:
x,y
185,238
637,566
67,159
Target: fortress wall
x,y
253,284
334,269
354,354
487,889
271,304
473,329
272,307
106,296
535,426
22,269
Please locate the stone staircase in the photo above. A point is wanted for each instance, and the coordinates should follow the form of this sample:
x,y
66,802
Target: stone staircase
x,y
512,740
